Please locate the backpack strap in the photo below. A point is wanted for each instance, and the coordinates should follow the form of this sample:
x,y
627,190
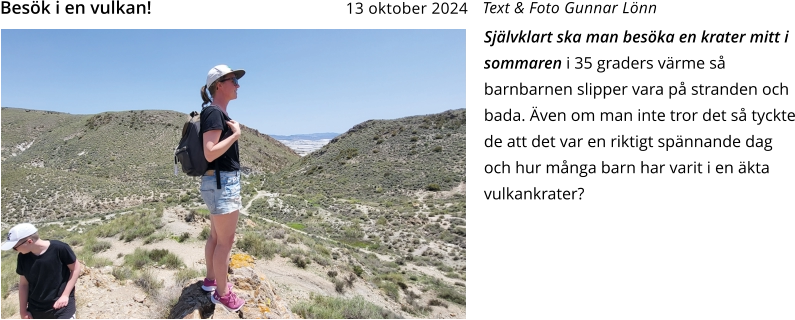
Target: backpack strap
x,y
217,172
218,179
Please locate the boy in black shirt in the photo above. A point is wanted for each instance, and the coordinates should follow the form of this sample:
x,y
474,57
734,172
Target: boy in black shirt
x,y
48,271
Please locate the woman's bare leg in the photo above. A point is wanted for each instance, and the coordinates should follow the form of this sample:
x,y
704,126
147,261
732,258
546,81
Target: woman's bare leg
x,y
209,250
225,226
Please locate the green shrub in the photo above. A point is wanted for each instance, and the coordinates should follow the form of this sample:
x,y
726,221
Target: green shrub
x,y
433,187
319,248
122,273
171,261
184,236
148,282
347,154
319,259
157,254
184,276
75,240
205,234
437,303
322,307
358,270
97,246
300,261
93,261
9,267
138,259
155,237
140,232
142,257
390,288
452,296
254,244
350,279
339,285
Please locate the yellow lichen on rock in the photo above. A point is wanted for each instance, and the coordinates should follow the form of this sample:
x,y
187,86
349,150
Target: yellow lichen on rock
x,y
263,308
240,260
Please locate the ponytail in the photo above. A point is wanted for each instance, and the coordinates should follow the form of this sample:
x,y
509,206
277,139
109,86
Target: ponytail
x,y
205,98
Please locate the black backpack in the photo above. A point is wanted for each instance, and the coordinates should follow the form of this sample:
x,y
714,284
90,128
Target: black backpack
x,y
190,151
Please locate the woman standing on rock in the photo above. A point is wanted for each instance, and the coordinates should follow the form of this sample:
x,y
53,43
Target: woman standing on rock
x,y
220,186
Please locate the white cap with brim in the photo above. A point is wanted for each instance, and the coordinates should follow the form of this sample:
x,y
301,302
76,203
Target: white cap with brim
x,y
221,70
18,232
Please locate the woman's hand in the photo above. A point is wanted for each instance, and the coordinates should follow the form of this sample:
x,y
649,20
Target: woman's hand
x,y
234,126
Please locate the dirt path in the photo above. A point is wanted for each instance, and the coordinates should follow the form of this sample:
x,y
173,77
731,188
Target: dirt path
x,y
261,194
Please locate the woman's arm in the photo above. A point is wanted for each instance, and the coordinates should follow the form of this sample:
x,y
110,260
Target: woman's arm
x,y
214,148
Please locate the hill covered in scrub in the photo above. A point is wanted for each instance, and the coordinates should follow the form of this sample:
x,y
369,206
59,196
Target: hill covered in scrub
x,y
384,159
58,165
371,225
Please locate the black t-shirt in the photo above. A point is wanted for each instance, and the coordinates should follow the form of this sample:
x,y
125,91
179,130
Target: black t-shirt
x,y
47,274
212,118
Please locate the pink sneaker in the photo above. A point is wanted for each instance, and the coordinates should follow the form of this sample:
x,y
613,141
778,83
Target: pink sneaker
x,y
230,301
210,285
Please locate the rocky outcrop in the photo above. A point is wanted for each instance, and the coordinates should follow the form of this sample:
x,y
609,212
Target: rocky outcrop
x,y
261,300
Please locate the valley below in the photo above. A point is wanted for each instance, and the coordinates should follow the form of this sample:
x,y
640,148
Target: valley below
x,y
304,147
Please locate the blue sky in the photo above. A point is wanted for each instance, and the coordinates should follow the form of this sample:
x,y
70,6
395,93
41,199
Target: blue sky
x,y
297,81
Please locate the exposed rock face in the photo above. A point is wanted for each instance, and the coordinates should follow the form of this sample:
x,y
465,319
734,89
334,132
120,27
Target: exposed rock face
x,y
261,300
193,302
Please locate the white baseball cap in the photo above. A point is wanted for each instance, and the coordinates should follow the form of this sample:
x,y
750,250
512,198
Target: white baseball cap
x,y
18,232
221,70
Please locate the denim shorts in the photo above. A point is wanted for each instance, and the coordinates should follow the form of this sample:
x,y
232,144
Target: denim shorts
x,y
224,200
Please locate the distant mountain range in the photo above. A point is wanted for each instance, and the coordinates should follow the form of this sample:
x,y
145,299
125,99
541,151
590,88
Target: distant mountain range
x,y
306,136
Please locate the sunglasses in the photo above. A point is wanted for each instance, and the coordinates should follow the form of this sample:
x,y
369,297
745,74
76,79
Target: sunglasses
x,y
234,80
19,244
